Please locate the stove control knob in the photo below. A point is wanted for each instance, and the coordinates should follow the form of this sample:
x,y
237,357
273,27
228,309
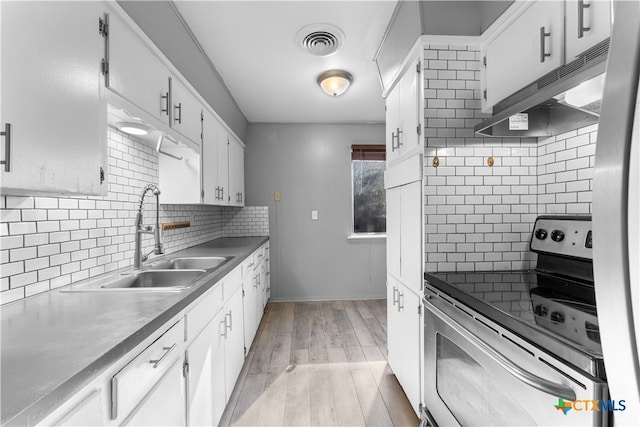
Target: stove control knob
x,y
541,234
557,236
557,317
540,310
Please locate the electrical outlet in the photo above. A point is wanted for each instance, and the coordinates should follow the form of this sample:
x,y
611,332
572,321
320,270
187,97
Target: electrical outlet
x,y
314,215
276,196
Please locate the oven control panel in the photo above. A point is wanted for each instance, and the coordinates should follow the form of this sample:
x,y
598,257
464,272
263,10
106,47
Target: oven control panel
x,y
563,235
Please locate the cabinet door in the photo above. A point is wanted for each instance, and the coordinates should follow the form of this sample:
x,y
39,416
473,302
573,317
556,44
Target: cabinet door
x,y
409,110
236,173
210,158
186,113
514,57
410,344
251,300
52,97
164,405
223,166
588,22
410,235
234,343
89,412
206,374
135,73
394,325
392,120
393,231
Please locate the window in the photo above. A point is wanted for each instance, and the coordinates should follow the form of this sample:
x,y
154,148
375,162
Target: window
x,y
367,171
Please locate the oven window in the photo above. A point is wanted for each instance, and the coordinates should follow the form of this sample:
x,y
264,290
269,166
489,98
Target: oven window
x,y
471,392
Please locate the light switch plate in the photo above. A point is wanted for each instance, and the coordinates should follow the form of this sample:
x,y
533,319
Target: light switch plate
x,y
276,196
314,215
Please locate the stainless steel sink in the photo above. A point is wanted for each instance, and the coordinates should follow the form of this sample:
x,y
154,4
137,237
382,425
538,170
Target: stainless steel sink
x,y
157,279
142,281
202,263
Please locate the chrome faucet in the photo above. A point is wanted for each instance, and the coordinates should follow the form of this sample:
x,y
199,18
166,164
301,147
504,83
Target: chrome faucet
x,y
138,256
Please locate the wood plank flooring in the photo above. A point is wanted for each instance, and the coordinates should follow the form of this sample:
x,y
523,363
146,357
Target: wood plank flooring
x,y
319,364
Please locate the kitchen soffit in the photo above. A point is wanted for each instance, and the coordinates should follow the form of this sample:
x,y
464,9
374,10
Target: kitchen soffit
x,y
252,44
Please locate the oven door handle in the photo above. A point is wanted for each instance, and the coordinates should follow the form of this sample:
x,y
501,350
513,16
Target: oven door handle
x,y
542,384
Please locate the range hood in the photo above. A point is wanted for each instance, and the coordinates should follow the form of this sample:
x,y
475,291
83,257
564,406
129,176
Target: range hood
x,y
543,108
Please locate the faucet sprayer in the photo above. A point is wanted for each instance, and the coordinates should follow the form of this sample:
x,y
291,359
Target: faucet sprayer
x,y
158,249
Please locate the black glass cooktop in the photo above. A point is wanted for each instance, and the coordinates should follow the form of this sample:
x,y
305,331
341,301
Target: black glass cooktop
x,y
561,307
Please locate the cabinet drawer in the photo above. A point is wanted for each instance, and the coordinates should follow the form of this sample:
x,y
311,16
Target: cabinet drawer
x,y
232,282
247,266
204,311
134,380
259,254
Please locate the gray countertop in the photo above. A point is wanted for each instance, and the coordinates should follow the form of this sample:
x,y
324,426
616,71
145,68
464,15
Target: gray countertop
x,y
54,343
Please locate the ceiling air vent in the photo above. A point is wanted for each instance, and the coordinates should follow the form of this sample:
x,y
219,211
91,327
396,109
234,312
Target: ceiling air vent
x,y
320,39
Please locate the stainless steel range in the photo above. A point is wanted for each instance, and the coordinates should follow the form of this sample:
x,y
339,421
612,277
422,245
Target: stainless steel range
x,y
518,347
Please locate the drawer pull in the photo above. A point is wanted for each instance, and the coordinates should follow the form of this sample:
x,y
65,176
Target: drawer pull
x,y
166,350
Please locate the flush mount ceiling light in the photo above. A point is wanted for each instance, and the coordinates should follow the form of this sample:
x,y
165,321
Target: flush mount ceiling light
x,y
335,82
133,128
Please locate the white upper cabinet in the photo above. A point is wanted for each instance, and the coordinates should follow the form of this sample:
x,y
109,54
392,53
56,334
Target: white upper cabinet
x,y
236,173
403,122
186,112
535,39
588,22
52,104
223,165
530,47
210,184
135,72
392,121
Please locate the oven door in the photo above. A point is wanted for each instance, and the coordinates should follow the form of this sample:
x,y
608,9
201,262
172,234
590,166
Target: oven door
x,y
476,374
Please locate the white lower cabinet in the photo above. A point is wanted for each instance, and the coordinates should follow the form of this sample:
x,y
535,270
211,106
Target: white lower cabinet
x,y
183,376
87,412
154,375
404,343
255,285
164,404
206,383
234,341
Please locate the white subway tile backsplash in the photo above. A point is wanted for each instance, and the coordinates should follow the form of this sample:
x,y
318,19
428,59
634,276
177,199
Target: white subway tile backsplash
x,y
495,207
48,242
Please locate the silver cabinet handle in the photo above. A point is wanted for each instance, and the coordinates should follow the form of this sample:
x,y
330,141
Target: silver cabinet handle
x,y
166,350
398,132
543,39
395,298
7,147
581,28
224,333
229,324
393,144
400,300
539,383
179,117
165,98
255,282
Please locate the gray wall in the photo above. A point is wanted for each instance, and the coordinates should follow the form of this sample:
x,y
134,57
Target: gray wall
x,y
310,165
163,26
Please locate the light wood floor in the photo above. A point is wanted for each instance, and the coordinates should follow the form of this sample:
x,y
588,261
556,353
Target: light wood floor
x,y
319,364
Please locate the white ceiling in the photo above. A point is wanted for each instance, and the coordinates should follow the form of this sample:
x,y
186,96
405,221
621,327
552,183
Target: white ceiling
x,y
252,45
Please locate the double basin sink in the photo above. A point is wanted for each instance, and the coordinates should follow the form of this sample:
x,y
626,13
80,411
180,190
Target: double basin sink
x,y
172,275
